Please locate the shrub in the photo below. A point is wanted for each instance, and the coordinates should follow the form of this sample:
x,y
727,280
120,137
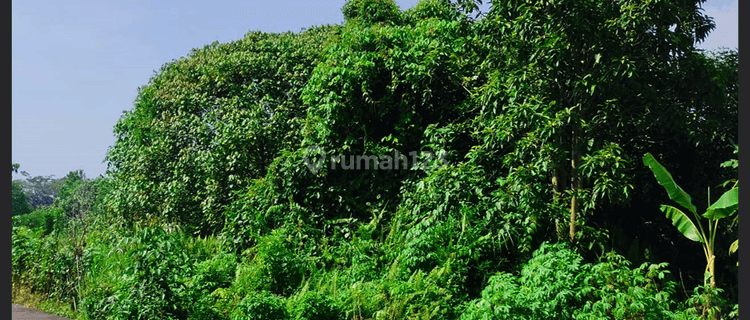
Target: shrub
x,y
280,262
214,273
24,243
44,218
207,276
312,305
260,305
154,271
555,284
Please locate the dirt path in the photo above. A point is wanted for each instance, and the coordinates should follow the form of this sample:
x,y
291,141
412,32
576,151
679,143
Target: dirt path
x,y
21,312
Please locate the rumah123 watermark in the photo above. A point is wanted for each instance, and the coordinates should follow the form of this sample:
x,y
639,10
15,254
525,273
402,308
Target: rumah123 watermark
x,y
315,157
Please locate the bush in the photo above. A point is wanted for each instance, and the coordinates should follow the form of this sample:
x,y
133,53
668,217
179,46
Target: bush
x,y
45,218
199,298
260,305
154,271
44,265
555,284
281,267
312,305
214,273
24,244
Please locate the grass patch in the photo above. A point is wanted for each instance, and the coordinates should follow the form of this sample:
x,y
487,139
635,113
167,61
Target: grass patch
x,y
22,295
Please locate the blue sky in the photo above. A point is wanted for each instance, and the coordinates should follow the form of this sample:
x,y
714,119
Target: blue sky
x,y
77,64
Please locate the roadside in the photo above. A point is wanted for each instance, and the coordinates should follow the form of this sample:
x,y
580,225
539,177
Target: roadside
x,y
21,312
26,305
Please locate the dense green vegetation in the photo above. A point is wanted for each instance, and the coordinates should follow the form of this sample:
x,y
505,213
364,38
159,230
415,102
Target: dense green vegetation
x,y
541,121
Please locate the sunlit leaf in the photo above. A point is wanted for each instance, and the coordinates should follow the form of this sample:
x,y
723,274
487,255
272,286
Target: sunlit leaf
x,y
683,223
725,206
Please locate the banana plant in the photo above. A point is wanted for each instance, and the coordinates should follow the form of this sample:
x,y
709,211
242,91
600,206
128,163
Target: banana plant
x,y
733,163
725,206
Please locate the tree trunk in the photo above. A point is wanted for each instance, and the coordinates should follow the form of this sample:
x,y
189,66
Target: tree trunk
x,y
711,268
575,182
559,184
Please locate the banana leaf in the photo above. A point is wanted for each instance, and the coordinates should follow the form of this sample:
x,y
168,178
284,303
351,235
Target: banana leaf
x,y
665,179
725,206
683,223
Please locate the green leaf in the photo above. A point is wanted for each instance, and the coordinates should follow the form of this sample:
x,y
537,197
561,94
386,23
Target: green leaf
x,y
730,163
683,223
665,179
725,206
735,246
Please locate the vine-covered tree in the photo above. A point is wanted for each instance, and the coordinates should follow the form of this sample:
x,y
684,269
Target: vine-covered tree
x,y
543,110
208,124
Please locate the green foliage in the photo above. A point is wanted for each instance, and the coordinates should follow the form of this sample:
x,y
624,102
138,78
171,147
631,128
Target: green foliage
x,y
433,9
267,204
44,265
368,12
706,303
423,295
260,305
734,163
19,200
152,280
210,211
72,181
280,265
614,289
717,122
230,108
545,289
79,201
32,193
44,218
312,305
22,249
724,207
166,273
451,217
563,78
673,190
556,284
213,271
216,272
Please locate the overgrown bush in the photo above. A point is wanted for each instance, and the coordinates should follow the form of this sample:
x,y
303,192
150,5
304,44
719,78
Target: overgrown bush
x,y
313,305
214,210
260,305
24,250
45,265
556,284
45,218
153,274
